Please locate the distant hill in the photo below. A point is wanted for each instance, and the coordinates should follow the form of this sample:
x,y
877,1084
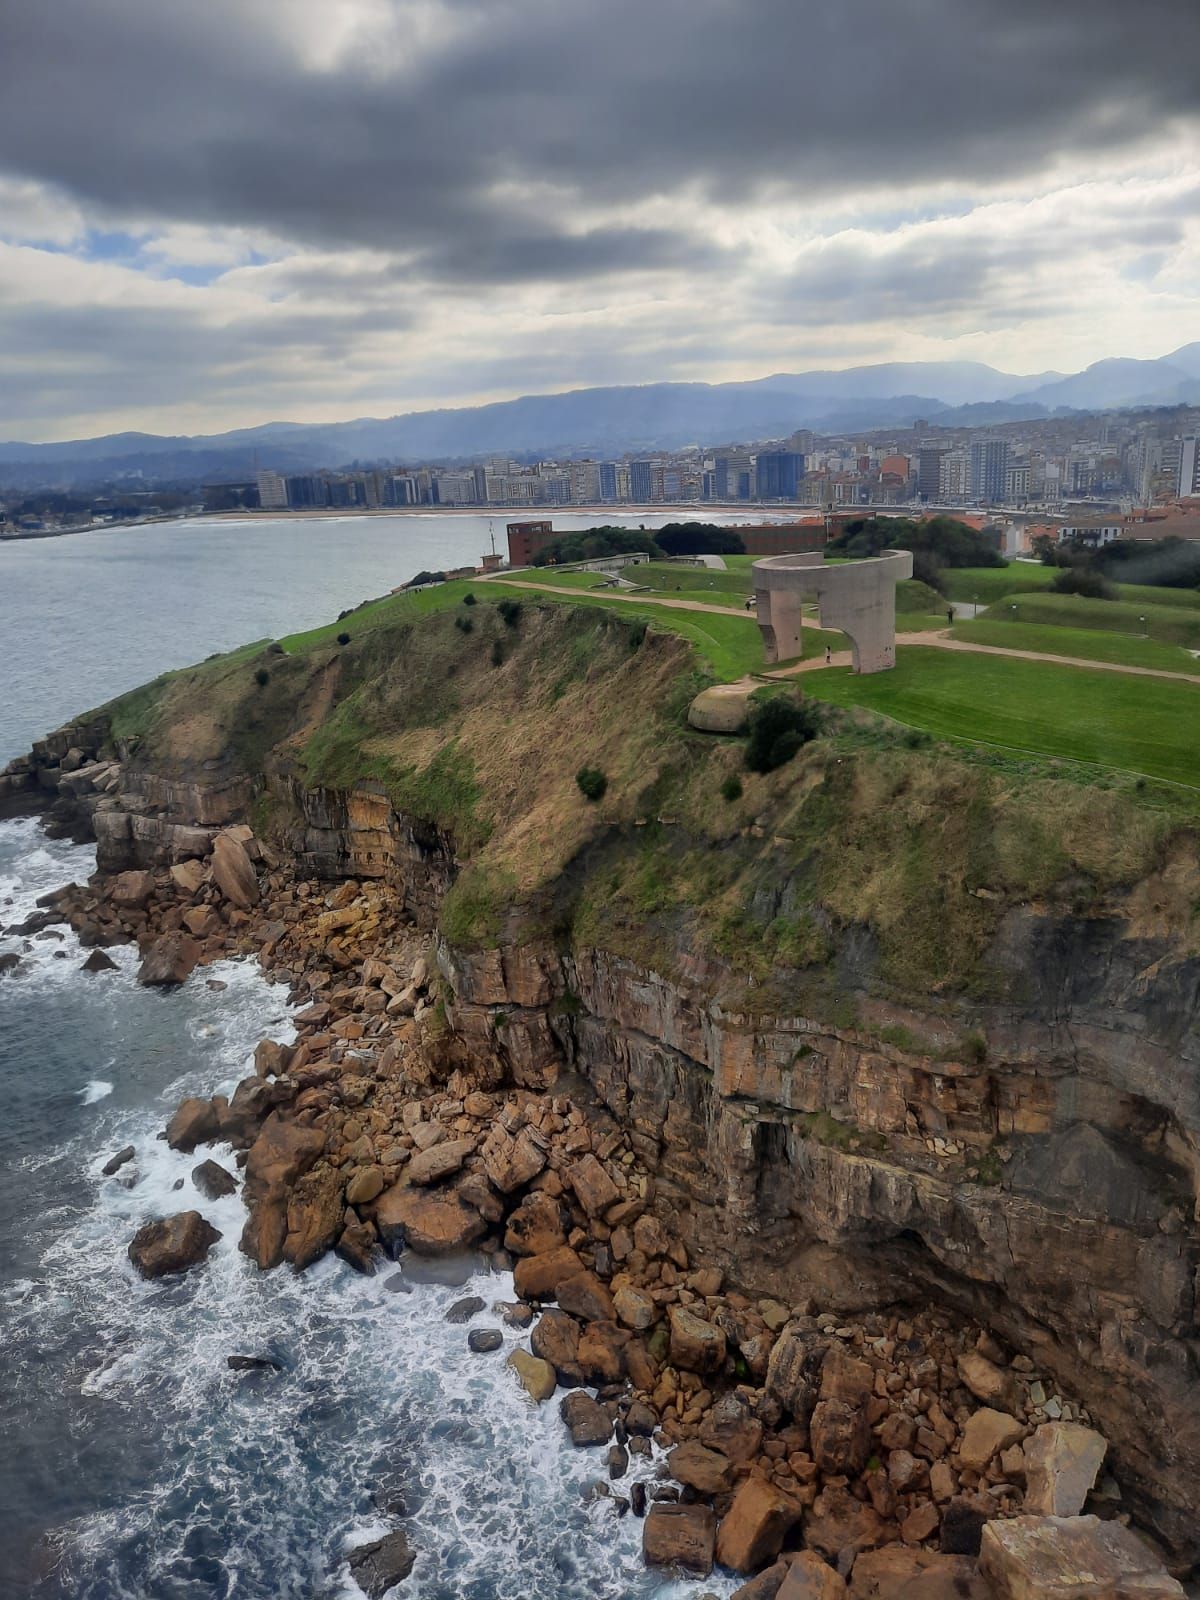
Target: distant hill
x,y
612,421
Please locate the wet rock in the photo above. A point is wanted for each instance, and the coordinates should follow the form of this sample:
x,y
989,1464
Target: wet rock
x,y
535,1376
538,1277
380,1565
314,1217
1062,1462
618,1461
253,1364
9,962
587,1421
234,872
752,1531
706,1471
172,1244
195,1122
555,1338
356,1247
253,1100
484,1340
679,1536
271,1059
637,1498
213,1181
99,961
696,1345
1065,1558
169,961
115,1163
463,1310
279,1157
431,1224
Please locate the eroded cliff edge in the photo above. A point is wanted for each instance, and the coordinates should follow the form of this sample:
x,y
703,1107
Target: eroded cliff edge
x,y
895,1023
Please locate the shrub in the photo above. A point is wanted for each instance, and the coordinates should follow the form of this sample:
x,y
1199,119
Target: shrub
x,y
463,624
778,729
731,789
262,677
497,653
1081,580
343,638
276,649
592,782
510,610
469,600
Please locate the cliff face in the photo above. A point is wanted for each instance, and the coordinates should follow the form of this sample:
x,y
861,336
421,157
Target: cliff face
x,y
883,1045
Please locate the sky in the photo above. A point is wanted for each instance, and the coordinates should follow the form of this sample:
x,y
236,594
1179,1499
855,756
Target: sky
x,y
220,214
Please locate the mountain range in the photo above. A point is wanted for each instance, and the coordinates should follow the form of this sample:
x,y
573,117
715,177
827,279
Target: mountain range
x,y
610,421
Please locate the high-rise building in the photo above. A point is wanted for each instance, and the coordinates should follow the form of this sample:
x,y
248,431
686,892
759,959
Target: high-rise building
x,y
778,474
307,489
929,468
989,466
272,491
954,475
641,477
1189,465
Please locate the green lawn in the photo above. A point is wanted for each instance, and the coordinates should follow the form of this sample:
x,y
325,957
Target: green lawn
x,y
1137,724
992,583
1178,625
1093,644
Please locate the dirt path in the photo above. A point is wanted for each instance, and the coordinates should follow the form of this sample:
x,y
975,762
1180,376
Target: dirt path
x,y
841,658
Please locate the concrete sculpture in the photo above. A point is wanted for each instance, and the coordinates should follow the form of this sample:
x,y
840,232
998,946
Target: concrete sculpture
x,y
858,597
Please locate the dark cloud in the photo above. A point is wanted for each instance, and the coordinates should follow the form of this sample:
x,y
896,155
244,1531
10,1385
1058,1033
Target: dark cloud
x,y
481,157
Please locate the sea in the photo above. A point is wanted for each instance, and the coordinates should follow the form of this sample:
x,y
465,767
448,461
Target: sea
x,y
134,1464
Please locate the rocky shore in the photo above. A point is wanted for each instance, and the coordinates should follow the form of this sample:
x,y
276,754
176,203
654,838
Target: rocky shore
x,y
901,1450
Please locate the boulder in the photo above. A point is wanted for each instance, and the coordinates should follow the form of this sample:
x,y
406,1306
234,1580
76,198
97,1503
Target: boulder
x,y
846,1377
314,1217
1062,1461
841,1437
696,1345
115,1163
466,1308
555,1339
213,1181
538,1277
132,889
987,1432
440,1161
482,1341
356,1247
900,1572
679,1536
962,1527
810,1578
986,1381
253,1101
536,1377
234,872
794,1370
512,1163
169,961
587,1421
752,1531
539,1224
99,961
283,1151
706,1471
172,1244
634,1308
767,1585
1071,1558
430,1224
188,876
195,1122
271,1059
593,1187
602,1353
839,1523
584,1296
380,1565
732,1428
366,1185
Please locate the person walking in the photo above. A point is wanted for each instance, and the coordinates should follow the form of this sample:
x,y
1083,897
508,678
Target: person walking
x,y
828,656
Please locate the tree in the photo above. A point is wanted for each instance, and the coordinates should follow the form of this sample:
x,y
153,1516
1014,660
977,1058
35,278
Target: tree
x,y
778,729
589,544
699,539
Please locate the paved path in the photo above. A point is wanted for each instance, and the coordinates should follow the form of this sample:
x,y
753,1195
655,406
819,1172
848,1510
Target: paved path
x,y
841,658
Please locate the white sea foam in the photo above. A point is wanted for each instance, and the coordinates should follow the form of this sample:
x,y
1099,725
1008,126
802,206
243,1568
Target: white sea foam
x,y
97,1089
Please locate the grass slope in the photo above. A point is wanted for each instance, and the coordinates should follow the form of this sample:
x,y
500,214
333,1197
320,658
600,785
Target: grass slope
x,y
1092,644
1167,623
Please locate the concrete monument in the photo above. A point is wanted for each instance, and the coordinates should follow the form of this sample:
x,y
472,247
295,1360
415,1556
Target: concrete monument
x,y
858,597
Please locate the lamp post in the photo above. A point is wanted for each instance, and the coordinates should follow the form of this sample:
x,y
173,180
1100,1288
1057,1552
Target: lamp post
x,y
1142,620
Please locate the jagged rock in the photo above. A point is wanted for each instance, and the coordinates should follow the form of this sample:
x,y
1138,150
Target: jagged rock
x,y
962,1528
195,1122
366,1185
810,1578
188,876
213,1181
172,1244
920,1524
794,1371
537,1226
704,1470
986,1381
584,1296
679,1536
253,1101
380,1565
587,1421
115,1163
271,1059
987,1432
535,1376
132,889
634,1308
538,1277
839,1522
99,961
752,1531
696,1345
1071,1558
356,1247
1062,1461
463,1310
767,1585
845,1377
732,1428
511,1163
169,961
603,1352
841,1437
593,1187
440,1161
902,1572
431,1224
283,1151
314,1217
555,1338
234,872
237,1363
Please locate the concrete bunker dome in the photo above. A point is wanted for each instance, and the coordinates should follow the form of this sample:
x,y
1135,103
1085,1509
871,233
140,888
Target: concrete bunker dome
x,y
857,597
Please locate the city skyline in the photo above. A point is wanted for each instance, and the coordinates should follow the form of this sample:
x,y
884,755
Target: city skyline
x,y
214,217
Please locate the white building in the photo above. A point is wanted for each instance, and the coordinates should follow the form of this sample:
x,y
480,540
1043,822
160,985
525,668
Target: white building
x,y
272,491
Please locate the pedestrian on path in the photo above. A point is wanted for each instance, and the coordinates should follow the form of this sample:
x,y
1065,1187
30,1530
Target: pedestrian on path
x,y
828,656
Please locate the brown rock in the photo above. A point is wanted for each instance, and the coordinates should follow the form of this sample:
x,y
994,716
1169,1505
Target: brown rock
x,y
587,1421
1062,1460
634,1308
704,1470
810,1578
537,1226
200,921
766,1586
431,1166
170,960
314,1217
986,1381
679,1536
845,1377
602,1351
794,1371
213,1181
172,1244
283,1151
838,1522
271,1059
511,1163
732,1428
538,1277
905,1572
194,1122
188,876
840,1436
1071,1558
234,872
584,1296
555,1339
431,1224
593,1187
535,1376
356,1247
920,1524
986,1432
752,1531
366,1185
696,1345
132,889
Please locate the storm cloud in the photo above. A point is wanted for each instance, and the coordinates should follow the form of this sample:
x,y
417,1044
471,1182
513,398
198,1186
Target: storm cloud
x,y
405,182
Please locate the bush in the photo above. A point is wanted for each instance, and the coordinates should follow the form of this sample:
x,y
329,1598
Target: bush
x,y
778,729
464,624
592,782
262,677
422,578
497,653
343,638
589,543
731,789
276,649
1081,580
469,599
510,610
699,539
